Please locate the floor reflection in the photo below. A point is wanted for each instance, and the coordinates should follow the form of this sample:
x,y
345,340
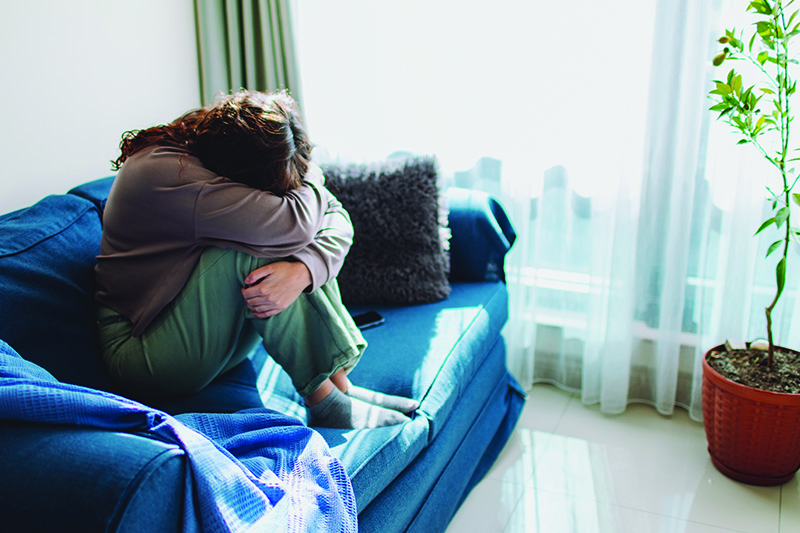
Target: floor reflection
x,y
569,468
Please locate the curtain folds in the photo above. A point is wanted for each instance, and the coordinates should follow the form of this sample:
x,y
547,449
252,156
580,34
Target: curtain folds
x,y
246,44
634,208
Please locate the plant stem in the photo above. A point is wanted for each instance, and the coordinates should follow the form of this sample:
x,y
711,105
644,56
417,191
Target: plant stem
x,y
783,100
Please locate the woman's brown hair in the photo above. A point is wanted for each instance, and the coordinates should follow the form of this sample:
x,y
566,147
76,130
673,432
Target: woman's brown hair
x,y
250,137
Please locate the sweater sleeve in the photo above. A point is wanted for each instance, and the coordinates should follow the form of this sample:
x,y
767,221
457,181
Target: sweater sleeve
x,y
232,215
325,255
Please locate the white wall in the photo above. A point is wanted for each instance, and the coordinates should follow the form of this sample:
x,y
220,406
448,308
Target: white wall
x,y
76,74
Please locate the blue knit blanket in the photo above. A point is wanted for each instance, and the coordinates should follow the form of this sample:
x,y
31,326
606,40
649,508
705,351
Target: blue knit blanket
x,y
255,470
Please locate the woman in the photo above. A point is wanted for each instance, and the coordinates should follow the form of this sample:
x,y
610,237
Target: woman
x,y
218,234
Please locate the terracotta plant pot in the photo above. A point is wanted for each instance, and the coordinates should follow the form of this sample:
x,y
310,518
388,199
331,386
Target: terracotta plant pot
x,y
753,435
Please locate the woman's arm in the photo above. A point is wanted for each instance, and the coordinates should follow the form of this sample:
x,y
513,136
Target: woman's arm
x,y
232,215
272,288
325,255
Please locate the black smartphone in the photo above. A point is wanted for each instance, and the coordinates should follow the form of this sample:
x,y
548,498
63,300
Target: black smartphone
x,y
367,320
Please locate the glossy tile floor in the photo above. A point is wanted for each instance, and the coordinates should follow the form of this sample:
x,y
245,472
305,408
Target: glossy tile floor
x,y
570,468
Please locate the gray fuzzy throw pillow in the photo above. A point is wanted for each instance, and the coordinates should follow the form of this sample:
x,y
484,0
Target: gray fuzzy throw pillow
x,y
399,255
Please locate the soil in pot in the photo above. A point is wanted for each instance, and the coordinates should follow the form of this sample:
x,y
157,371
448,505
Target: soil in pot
x,y
749,367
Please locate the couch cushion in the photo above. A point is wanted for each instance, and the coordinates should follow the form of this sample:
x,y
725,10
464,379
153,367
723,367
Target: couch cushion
x,y
445,342
47,258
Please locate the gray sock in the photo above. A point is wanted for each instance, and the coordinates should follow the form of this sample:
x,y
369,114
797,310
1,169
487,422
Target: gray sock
x,y
340,411
397,403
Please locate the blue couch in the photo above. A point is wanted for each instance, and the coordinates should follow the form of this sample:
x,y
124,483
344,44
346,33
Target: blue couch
x,y
449,355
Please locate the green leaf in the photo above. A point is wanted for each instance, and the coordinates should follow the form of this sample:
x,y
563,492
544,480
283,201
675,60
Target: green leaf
x,y
781,216
796,198
747,97
760,6
762,57
791,19
736,84
774,246
767,223
780,275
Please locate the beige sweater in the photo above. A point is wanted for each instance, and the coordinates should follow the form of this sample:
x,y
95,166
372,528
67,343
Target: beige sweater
x,y
165,208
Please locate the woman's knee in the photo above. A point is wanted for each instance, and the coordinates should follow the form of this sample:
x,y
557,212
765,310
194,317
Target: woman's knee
x,y
231,262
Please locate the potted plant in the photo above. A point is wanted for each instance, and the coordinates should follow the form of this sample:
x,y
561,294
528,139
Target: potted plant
x,y
751,398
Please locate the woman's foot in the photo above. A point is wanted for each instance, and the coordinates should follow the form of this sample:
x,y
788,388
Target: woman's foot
x,y
396,403
341,411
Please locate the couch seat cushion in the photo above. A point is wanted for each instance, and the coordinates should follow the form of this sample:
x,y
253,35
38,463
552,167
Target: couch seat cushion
x,y
445,342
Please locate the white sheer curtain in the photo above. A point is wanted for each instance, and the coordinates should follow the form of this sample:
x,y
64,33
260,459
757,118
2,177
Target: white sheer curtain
x,y
589,121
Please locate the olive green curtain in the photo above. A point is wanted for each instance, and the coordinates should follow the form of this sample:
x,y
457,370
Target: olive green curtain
x,y
246,44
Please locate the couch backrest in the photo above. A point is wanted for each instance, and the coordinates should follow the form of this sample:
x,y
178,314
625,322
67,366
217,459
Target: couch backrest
x,y
47,314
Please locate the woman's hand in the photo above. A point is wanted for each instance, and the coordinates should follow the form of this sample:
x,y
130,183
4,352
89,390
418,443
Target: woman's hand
x,y
274,287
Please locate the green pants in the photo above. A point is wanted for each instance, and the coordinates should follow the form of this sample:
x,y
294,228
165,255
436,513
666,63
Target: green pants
x,y
207,330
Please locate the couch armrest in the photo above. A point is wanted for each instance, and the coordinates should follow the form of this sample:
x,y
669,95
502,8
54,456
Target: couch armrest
x,y
59,478
482,234
95,191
